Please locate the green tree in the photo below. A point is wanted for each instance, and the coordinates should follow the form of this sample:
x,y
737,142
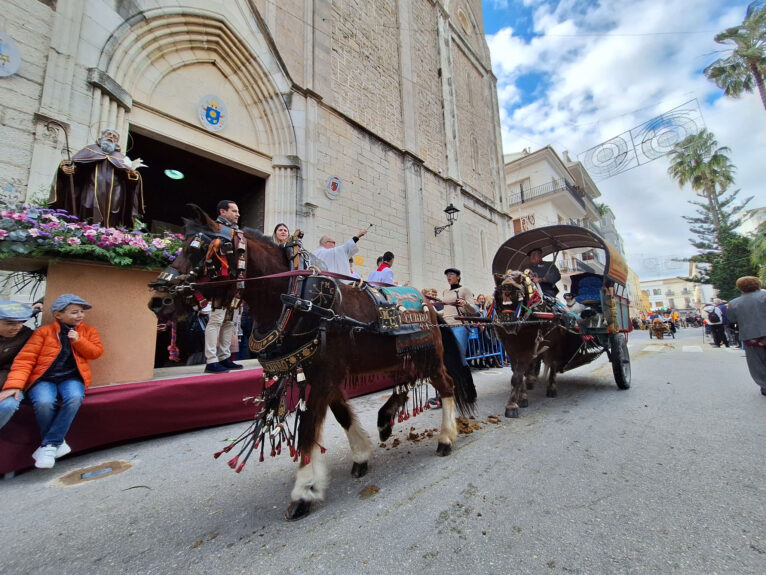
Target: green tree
x,y
698,161
707,240
759,251
744,68
733,262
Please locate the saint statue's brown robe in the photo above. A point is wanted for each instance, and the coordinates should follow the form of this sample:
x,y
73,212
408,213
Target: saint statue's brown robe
x,y
103,189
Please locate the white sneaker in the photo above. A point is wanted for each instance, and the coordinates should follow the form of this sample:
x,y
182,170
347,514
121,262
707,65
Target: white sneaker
x,y
63,450
46,457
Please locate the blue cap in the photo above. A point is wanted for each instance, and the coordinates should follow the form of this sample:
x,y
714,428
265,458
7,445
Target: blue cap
x,y
15,311
67,299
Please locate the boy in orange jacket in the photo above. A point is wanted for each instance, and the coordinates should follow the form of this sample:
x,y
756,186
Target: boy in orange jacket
x,y
53,363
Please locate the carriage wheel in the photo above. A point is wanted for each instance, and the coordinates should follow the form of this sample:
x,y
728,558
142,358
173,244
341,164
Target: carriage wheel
x,y
620,360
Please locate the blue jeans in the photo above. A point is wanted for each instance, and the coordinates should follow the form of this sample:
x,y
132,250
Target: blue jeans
x,y
462,333
55,422
7,408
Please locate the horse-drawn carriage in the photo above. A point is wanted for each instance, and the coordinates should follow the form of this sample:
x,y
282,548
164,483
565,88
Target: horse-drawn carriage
x,y
534,327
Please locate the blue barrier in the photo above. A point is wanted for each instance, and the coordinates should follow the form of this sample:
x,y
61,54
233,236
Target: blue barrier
x,y
484,345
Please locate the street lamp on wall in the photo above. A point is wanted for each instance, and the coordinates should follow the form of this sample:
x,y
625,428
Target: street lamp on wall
x,y
451,212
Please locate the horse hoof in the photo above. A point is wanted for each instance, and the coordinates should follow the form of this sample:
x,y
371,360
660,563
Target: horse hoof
x,y
443,449
512,412
298,510
359,469
531,384
384,432
552,393
524,402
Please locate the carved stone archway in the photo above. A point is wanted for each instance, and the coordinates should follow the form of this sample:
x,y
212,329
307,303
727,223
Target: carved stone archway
x,y
156,43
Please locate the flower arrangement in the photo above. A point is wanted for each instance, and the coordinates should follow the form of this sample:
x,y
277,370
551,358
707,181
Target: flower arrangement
x,y
34,231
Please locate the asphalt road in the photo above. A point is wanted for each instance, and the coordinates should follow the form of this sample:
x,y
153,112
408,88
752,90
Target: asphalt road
x,y
666,477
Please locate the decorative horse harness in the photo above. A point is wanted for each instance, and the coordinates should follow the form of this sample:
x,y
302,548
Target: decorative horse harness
x,y
310,307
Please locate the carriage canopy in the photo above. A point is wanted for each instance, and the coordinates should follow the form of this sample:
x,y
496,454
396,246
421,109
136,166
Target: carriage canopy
x,y
551,239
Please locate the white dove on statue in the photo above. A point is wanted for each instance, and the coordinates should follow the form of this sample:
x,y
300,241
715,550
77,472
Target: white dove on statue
x,y
135,164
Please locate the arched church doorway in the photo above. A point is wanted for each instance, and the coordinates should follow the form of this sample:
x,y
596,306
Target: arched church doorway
x,y
175,177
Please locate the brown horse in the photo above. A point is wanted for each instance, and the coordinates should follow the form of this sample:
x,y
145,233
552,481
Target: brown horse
x,y
346,349
532,329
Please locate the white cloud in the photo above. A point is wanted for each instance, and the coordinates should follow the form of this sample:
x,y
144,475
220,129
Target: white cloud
x,y
610,67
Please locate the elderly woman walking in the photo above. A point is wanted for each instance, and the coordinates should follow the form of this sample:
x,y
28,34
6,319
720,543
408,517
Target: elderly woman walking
x,y
748,311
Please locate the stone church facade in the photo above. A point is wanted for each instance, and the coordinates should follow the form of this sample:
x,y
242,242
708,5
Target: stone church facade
x,y
344,113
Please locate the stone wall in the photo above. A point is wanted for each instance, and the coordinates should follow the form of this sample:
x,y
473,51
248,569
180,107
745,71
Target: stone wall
x,y
395,97
29,25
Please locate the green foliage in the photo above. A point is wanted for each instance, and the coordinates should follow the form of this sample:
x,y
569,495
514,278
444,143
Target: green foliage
x,y
744,68
758,247
733,262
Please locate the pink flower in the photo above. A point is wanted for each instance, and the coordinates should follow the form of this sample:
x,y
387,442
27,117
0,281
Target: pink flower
x,y
3,233
159,243
73,241
34,232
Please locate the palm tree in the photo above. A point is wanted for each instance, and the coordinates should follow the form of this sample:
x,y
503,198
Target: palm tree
x,y
698,161
745,67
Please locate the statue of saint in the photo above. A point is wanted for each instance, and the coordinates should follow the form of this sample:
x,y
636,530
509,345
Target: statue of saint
x,y
100,184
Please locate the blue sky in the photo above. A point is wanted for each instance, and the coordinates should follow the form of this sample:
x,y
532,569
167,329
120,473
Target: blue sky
x,y
575,73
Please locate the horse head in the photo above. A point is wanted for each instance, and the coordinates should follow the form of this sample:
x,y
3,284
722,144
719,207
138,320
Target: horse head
x,y
515,289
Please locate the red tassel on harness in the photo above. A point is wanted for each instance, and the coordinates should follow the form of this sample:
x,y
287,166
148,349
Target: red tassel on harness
x,y
173,351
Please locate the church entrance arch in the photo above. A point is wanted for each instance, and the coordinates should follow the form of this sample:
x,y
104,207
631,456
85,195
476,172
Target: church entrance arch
x,y
164,63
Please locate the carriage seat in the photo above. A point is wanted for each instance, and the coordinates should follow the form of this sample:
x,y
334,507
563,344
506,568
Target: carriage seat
x,y
587,288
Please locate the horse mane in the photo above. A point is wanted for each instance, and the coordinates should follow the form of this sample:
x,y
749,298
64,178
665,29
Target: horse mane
x,y
257,235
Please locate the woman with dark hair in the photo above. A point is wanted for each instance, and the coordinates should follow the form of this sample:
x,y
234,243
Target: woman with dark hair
x,y
748,311
281,234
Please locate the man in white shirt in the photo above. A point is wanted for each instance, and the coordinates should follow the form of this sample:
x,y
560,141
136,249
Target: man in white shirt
x,y
384,274
336,257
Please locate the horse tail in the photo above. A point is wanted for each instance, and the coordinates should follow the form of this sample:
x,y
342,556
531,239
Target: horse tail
x,y
465,390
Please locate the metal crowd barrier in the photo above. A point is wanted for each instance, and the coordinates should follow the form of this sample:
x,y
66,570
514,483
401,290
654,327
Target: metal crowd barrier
x,y
484,345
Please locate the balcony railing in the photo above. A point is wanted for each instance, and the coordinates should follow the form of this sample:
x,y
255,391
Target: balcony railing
x,y
521,196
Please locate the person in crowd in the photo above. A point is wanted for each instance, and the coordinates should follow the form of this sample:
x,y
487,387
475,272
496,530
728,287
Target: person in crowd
x,y
715,321
458,300
481,305
668,319
351,272
335,257
432,294
748,311
13,335
546,274
100,184
377,265
53,364
729,334
220,328
384,274
281,234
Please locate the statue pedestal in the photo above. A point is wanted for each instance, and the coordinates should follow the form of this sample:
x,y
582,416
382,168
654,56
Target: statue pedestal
x,y
119,297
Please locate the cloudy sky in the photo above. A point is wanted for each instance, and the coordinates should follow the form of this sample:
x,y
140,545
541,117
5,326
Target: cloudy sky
x,y
575,73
